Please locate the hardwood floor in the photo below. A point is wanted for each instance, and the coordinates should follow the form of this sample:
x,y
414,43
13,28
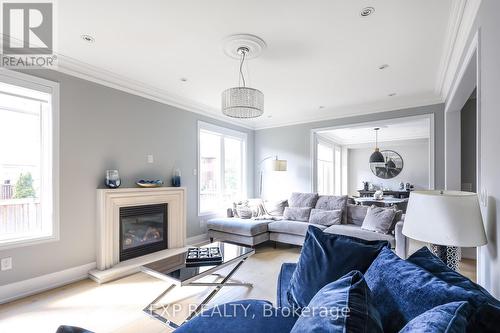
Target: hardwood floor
x,y
117,306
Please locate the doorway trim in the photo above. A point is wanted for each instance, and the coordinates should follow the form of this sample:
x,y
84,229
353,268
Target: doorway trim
x,y
468,78
375,123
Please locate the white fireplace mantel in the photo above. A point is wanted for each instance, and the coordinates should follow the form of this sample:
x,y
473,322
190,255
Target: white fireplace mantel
x,y
109,202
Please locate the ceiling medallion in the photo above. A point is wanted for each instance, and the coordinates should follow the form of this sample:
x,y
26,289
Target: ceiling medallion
x,y
242,101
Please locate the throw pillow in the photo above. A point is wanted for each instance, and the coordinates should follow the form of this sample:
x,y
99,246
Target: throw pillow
x,y
378,219
275,207
446,318
325,217
303,199
245,206
333,202
244,212
297,214
402,291
341,306
325,258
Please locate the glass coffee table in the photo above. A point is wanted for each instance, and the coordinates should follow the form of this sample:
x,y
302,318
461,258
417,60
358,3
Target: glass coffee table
x,y
174,270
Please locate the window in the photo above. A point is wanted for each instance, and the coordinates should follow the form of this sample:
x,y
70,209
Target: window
x,y
325,168
28,174
329,168
221,167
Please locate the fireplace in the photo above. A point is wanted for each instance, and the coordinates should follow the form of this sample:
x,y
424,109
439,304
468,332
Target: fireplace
x,y
143,230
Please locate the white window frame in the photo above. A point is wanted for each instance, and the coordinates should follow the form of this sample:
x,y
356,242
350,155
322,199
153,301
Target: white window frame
x,y
225,133
335,147
50,166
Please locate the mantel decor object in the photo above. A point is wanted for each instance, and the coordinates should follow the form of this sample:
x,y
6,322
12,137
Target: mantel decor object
x,y
112,179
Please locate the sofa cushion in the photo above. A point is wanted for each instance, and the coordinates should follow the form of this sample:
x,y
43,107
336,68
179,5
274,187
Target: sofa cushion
x,y
379,219
333,202
275,207
356,231
291,227
298,199
284,278
326,217
297,213
446,318
349,308
403,291
432,264
326,257
356,214
238,226
247,316
485,318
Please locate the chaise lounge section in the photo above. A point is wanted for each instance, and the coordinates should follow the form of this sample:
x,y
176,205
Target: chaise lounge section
x,y
290,225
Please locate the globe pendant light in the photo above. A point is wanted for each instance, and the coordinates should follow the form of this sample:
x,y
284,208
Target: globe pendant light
x,y
242,101
376,156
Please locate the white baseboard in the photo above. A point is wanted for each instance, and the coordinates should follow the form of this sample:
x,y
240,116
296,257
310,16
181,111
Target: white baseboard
x,y
196,240
16,290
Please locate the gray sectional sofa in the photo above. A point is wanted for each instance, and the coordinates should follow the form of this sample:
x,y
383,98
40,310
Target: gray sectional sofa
x,y
265,227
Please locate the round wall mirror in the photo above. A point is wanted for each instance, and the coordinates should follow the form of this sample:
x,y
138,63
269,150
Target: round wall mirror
x,y
391,168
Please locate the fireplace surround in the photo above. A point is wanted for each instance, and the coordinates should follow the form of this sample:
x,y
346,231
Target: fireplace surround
x,y
109,203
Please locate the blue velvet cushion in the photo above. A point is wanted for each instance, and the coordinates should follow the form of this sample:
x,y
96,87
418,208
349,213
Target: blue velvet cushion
x,y
402,291
344,305
447,318
488,315
71,329
325,258
248,316
284,278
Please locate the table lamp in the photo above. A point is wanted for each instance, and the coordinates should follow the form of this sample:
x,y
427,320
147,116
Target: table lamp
x,y
448,220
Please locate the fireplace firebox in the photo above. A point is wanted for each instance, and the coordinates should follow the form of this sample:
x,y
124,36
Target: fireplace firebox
x,y
143,230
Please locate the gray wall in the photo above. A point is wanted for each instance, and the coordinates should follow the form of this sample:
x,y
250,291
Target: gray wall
x,y
415,155
468,144
293,143
103,128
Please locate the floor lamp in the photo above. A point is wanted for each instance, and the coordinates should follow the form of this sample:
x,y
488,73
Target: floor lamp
x,y
277,165
448,220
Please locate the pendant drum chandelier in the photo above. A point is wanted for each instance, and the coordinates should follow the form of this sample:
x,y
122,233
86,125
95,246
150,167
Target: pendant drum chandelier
x,y
242,102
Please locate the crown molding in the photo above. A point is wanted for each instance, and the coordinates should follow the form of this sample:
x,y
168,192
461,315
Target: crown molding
x,y
363,111
79,69
460,24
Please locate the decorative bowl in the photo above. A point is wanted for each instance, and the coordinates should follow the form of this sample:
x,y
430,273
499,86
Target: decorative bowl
x,y
149,183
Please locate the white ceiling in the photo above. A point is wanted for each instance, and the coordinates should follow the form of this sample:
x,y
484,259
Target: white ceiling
x,y
320,53
390,131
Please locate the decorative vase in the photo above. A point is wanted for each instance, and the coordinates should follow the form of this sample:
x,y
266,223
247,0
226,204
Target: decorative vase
x,y
112,179
378,195
176,178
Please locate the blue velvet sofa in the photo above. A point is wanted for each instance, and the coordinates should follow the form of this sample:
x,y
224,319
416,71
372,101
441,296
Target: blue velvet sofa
x,y
419,294
380,291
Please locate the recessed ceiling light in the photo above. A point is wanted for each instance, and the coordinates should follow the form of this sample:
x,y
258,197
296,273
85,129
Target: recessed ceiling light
x,y
392,94
270,116
183,79
321,107
367,11
88,38
384,66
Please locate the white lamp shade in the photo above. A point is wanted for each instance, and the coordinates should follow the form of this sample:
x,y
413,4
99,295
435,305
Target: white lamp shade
x,y
279,165
450,218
